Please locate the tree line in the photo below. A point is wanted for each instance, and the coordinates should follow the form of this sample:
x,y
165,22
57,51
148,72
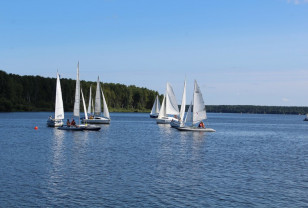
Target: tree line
x,y
298,110
36,93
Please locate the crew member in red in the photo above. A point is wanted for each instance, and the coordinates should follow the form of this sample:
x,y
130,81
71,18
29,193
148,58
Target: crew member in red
x,y
201,125
73,123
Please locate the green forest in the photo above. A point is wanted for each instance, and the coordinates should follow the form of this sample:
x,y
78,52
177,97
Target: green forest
x,y
35,93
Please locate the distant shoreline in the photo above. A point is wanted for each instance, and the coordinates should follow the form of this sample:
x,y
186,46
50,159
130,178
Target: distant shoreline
x,y
257,109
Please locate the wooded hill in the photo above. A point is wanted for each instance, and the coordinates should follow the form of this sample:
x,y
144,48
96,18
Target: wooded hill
x,y
35,93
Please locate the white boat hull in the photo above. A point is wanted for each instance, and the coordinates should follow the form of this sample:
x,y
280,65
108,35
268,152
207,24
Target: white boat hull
x,y
186,128
165,120
96,120
54,122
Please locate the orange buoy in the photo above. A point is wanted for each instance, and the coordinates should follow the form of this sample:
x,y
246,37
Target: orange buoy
x,y
36,128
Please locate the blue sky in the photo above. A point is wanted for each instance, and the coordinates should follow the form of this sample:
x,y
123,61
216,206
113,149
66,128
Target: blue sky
x,y
240,52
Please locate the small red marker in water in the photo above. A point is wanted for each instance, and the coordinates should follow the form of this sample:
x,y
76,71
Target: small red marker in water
x,y
36,128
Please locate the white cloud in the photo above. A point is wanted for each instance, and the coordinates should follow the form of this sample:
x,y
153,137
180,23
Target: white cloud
x,y
285,100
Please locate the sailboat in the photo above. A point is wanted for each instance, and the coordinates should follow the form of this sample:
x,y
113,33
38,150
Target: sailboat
x,y
169,107
88,127
306,119
59,109
76,111
97,118
155,109
196,113
179,122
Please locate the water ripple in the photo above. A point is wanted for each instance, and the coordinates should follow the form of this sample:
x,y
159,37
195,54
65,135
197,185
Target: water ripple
x,y
251,161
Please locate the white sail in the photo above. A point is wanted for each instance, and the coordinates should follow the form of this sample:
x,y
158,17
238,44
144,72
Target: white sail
x,y
156,106
98,108
171,104
59,109
199,112
183,104
106,111
189,115
84,106
77,94
162,112
90,99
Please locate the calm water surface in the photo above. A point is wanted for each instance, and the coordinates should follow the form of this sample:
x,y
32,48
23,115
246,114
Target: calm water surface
x,y
251,161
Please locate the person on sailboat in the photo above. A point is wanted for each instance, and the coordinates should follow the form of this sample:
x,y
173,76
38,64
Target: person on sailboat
x,y
73,123
201,125
68,123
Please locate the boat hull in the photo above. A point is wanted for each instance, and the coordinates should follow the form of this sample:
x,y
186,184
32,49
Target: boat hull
x,y
306,119
185,128
68,128
90,127
97,120
54,123
175,124
153,116
165,120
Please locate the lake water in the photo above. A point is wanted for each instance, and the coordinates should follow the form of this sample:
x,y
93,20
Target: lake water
x,y
251,161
